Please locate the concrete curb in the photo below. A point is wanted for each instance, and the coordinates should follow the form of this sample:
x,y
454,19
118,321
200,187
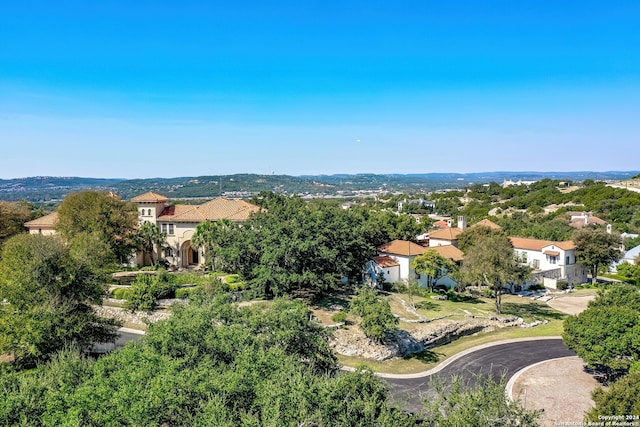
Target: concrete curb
x,y
516,376
453,358
131,331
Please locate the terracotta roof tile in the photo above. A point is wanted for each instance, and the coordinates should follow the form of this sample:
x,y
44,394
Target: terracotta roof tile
x,y
538,245
445,234
44,221
150,197
487,223
449,252
385,261
402,247
216,209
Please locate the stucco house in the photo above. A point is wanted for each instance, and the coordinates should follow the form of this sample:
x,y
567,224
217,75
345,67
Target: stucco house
x,y
45,225
394,262
179,222
551,261
631,256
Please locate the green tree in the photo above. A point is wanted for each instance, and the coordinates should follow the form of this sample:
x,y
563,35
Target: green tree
x,y
479,406
620,398
102,213
13,215
433,265
595,248
377,321
47,295
491,262
607,333
630,271
212,236
297,248
148,238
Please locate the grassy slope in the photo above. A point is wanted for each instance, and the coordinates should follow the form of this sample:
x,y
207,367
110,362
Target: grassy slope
x,y
526,308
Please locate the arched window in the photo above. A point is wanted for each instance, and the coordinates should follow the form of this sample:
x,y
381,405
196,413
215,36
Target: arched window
x,y
149,212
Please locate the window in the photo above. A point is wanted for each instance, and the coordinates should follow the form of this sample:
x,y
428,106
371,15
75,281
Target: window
x,y
142,212
568,260
170,230
168,252
163,228
553,259
149,212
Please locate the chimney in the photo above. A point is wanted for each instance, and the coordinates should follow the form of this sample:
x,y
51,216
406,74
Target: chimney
x,y
462,222
609,228
449,223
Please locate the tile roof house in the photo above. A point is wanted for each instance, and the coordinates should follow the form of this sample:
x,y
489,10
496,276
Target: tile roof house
x,y
394,262
43,225
582,219
178,221
551,261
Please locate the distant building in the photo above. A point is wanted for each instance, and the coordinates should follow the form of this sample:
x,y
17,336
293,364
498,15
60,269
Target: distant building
x,y
179,222
422,203
582,219
45,225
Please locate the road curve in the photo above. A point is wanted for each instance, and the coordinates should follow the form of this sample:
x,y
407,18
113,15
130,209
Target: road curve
x,y
496,360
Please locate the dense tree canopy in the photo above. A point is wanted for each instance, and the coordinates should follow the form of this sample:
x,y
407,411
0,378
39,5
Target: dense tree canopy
x,y
596,249
213,364
13,215
620,398
298,248
607,333
47,288
103,214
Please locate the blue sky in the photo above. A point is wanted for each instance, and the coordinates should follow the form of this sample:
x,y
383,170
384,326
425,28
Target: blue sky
x,y
156,88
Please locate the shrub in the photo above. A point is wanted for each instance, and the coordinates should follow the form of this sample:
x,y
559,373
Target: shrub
x,y
487,292
120,293
378,322
399,287
183,293
339,317
562,285
146,291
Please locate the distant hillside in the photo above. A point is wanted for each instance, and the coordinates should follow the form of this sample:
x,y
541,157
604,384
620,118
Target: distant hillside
x,y
38,189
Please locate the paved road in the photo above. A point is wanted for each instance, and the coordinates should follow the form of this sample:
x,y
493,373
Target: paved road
x,y
124,338
495,361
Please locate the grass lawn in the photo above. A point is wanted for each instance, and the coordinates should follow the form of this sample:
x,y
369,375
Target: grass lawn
x,y
528,309
428,359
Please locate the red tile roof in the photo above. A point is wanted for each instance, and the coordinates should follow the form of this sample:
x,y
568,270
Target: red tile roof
x,y
385,261
150,197
402,247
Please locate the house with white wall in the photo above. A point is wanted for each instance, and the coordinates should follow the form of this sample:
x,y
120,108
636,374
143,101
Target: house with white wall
x,y
394,262
551,261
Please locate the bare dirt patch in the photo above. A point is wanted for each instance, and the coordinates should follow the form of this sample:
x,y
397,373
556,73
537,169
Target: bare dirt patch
x,y
561,388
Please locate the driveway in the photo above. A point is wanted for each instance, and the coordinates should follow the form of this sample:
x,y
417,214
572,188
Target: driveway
x,y
494,361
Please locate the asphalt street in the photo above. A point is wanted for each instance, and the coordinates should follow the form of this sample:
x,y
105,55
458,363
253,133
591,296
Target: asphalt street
x,y
495,361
